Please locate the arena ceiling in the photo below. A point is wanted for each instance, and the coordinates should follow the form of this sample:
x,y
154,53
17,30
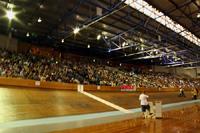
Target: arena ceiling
x,y
114,29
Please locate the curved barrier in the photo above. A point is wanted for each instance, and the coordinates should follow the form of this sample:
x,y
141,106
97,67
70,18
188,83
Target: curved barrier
x,y
70,86
37,84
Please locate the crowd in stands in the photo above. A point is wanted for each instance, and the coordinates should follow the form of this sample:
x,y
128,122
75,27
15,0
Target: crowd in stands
x,y
165,80
44,69
28,66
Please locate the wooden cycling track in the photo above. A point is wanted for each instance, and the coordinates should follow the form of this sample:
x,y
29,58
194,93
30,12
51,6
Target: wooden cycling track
x,y
18,103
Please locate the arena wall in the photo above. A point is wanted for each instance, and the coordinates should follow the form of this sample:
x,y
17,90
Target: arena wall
x,y
8,43
187,72
69,86
198,72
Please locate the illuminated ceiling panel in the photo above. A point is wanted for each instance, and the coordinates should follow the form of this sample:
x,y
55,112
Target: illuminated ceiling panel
x,y
153,13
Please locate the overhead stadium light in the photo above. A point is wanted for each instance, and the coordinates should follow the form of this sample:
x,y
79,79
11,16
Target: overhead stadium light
x,y
99,37
63,40
153,13
123,44
142,48
27,34
39,20
41,6
198,15
76,30
10,14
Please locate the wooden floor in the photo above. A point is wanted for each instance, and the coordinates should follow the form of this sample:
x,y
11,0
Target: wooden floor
x,y
18,103
25,103
186,120
130,100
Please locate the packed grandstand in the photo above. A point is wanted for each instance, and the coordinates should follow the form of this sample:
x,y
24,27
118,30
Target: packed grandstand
x,y
85,71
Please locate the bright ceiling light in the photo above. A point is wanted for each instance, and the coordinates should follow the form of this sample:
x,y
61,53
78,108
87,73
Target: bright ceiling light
x,y
39,20
10,14
63,40
123,44
198,15
88,46
41,6
147,9
27,34
99,37
142,48
76,30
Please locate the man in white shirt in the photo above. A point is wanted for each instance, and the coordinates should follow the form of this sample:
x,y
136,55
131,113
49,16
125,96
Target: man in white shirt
x,y
144,103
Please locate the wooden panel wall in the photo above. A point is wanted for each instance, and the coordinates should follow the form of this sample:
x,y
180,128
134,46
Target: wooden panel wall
x,y
38,84
69,86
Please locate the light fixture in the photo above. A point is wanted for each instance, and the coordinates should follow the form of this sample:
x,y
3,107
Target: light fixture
x,y
27,34
76,30
198,15
39,20
123,44
99,37
120,64
10,14
106,37
63,40
142,48
93,60
141,40
156,51
88,46
41,6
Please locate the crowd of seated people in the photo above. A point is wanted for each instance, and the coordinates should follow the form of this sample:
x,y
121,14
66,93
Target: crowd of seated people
x,y
28,66
165,80
68,71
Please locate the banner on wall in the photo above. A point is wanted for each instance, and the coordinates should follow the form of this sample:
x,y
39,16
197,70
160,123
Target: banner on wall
x,y
128,88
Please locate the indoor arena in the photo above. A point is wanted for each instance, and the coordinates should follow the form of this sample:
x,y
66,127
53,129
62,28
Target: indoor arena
x,y
99,66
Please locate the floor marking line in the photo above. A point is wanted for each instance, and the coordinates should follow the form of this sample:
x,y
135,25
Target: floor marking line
x,y
106,102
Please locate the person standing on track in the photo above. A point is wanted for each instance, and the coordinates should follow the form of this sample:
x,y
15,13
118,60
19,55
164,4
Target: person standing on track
x,y
181,92
194,93
144,103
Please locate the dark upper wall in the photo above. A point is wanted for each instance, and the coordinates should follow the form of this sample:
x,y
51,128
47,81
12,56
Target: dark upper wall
x,y
188,72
